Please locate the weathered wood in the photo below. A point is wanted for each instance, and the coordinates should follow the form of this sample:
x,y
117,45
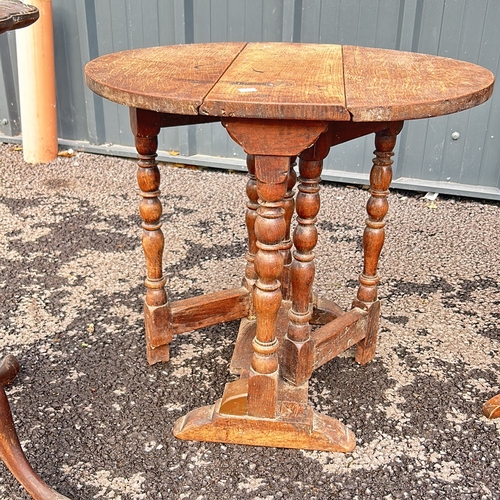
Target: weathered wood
x,y
324,311
374,236
250,217
491,408
274,137
278,101
11,452
282,81
171,79
338,335
270,227
15,14
259,80
210,309
388,85
297,347
295,426
365,349
377,207
286,245
157,317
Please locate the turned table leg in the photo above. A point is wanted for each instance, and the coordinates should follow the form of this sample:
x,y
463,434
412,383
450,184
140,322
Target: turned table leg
x,y
157,315
297,347
373,237
250,216
270,228
286,245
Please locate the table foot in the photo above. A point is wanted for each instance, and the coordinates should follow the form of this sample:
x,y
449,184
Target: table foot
x,y
491,408
157,354
296,426
365,350
157,323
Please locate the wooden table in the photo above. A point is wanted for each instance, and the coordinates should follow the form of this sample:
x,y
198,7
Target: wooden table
x,y
278,101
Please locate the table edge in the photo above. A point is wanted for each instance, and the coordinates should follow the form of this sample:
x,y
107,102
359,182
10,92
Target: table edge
x,y
178,106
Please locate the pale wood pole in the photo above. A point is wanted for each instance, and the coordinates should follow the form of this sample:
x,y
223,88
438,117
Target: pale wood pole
x,y
37,89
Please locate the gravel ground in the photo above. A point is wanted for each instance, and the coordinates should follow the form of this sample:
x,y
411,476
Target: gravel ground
x,y
95,420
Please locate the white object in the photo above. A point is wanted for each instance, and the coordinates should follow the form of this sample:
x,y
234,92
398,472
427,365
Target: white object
x,y
431,196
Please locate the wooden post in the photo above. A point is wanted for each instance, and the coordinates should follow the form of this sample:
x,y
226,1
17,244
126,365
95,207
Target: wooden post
x,y
286,247
374,235
297,347
157,315
37,88
270,228
250,216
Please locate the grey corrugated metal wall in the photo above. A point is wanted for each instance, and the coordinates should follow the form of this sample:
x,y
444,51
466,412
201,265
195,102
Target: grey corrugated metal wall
x,y
427,157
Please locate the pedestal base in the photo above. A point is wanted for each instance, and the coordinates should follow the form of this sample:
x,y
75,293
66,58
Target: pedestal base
x,y
303,429
293,423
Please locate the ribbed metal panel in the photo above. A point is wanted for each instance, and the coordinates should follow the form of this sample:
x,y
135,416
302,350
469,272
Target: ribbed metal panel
x,y
427,158
10,121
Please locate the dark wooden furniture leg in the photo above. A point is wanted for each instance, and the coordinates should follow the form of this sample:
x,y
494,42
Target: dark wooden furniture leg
x,y
286,246
250,217
270,229
163,318
298,349
373,237
157,315
11,452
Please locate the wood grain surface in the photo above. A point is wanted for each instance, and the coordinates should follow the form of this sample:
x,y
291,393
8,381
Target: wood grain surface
x,y
389,85
282,80
289,81
170,79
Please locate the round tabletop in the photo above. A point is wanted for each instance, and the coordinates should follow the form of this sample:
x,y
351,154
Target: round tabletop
x,y
289,81
14,14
